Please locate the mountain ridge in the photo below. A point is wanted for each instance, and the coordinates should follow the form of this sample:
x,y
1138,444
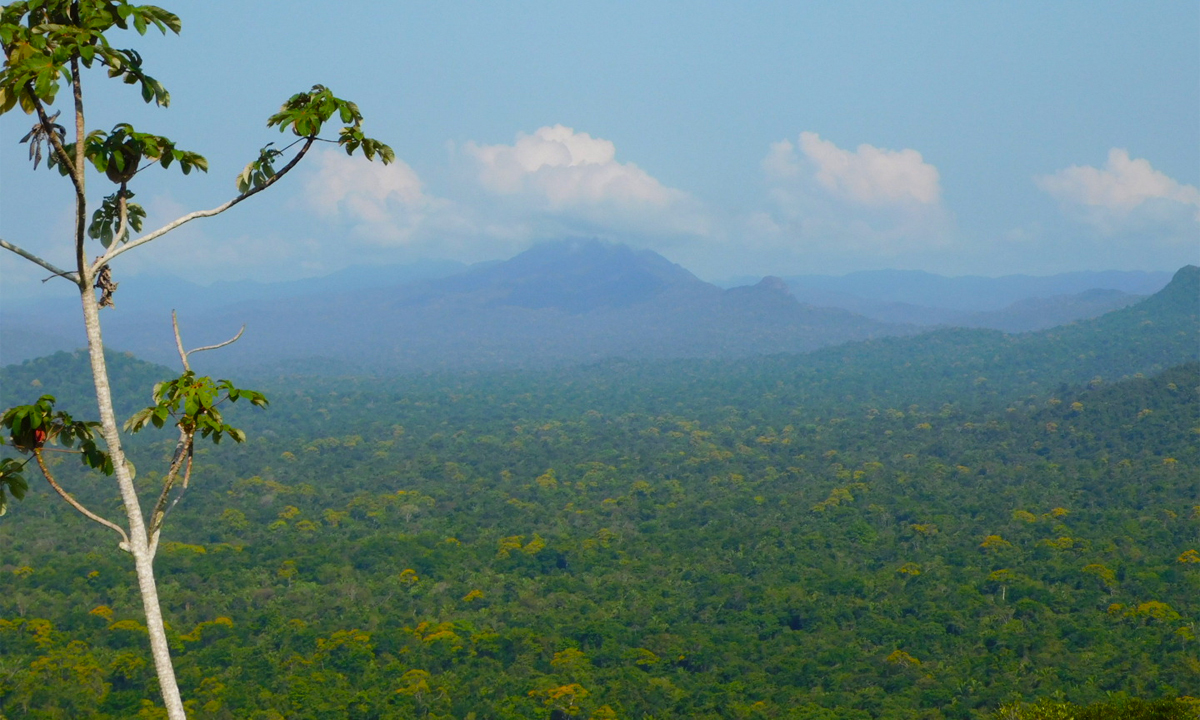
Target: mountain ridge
x,y
569,301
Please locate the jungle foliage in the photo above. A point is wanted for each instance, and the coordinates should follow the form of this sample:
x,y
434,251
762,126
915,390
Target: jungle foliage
x,y
672,540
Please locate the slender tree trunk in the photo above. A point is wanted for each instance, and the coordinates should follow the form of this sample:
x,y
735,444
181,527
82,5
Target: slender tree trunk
x,y
139,546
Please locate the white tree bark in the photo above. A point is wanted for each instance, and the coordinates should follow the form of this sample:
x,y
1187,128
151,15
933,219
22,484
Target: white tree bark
x,y
139,545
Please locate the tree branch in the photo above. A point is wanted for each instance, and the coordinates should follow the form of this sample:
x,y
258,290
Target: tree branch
x,y
123,213
184,354
118,249
230,341
183,452
73,277
55,141
183,449
85,274
37,453
179,343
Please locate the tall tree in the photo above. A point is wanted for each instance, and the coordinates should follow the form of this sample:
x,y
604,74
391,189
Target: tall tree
x,y
48,45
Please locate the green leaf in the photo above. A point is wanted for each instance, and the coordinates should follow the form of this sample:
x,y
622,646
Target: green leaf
x,y
12,482
138,420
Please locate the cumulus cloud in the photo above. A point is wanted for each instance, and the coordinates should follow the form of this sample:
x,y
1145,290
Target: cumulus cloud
x,y
867,200
571,175
386,204
1127,193
869,175
499,199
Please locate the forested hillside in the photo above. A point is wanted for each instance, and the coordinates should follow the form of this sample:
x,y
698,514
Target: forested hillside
x,y
66,376
843,535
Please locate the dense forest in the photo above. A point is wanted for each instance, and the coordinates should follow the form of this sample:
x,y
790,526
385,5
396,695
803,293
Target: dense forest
x,y
943,526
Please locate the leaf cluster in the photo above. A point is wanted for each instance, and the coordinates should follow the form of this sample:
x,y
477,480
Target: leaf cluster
x,y
118,153
42,37
106,221
30,427
192,401
305,114
12,480
259,172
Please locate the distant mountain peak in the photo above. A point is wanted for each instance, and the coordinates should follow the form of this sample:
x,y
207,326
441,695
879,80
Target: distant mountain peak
x,y
1183,292
574,275
774,284
590,253
1187,273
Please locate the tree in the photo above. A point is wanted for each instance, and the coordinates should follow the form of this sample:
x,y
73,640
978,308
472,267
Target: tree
x,y
48,45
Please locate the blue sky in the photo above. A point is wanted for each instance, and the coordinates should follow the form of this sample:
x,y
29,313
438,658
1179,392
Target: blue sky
x,y
735,138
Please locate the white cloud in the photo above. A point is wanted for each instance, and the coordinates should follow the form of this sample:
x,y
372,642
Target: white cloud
x,y
369,210
869,175
1126,193
869,201
385,204
572,176
551,184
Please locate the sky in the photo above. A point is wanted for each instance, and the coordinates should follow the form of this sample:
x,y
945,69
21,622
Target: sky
x,y
737,139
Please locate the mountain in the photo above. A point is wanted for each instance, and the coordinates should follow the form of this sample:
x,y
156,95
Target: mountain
x,y
144,305
963,365
166,292
569,301
1012,303
574,276
965,293
562,302
573,301
1039,313
957,366
67,376
23,342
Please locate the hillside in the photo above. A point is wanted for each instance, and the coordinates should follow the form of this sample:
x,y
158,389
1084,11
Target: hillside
x,y
960,366
1046,312
68,377
924,298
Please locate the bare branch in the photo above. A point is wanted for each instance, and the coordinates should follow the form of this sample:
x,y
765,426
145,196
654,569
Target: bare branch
x,y
230,341
75,503
183,355
118,249
179,343
73,277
